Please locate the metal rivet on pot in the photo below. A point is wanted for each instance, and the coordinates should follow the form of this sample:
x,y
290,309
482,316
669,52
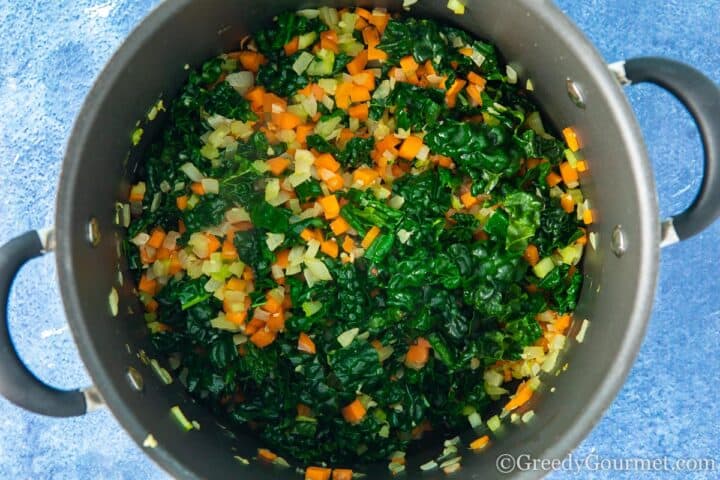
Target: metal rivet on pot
x,y
575,93
135,379
94,232
618,244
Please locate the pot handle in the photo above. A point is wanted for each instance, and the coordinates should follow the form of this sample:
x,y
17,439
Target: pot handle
x,y
701,97
17,383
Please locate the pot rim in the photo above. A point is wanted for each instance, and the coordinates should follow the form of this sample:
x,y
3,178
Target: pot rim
x,y
545,11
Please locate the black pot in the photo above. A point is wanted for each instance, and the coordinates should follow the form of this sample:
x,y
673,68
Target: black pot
x,y
572,84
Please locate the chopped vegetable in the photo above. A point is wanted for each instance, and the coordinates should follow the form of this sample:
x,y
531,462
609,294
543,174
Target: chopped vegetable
x,y
353,230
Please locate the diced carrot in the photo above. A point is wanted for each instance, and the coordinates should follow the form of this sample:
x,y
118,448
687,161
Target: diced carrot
x,y
476,79
581,166
330,248
387,143
197,188
357,64
327,161
339,226
452,93
276,322
229,252
417,356
278,165
267,455
263,337
317,473
181,202
348,245
248,274
467,51
302,132
238,318
152,305
571,138
569,174
305,344
409,65
410,147
213,243
292,46
371,37
157,237
553,179
342,95
286,120
365,79
328,41
523,394
354,412
588,217
250,60
375,53
307,234
365,176
474,94
567,202
147,285
531,255
380,20
281,258
254,325
272,305
479,443
468,199
342,474
359,93
256,96
363,13
236,284
361,111
330,206
370,237
444,161
562,323
270,100
334,182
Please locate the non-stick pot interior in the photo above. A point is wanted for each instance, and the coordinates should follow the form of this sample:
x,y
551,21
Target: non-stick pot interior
x,y
540,43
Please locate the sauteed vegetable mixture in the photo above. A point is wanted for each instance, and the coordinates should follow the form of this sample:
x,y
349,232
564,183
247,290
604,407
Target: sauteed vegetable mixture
x,y
357,229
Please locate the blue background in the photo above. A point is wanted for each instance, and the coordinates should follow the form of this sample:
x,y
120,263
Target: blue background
x,y
50,53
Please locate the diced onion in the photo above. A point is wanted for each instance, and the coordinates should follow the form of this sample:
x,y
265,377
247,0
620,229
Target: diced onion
x,y
237,214
140,239
210,185
113,302
241,81
580,337
274,240
318,269
512,75
192,172
313,246
346,338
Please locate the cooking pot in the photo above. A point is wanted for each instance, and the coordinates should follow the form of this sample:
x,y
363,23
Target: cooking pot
x,y
572,84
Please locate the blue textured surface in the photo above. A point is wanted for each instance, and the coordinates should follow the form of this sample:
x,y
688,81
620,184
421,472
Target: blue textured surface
x,y
52,51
